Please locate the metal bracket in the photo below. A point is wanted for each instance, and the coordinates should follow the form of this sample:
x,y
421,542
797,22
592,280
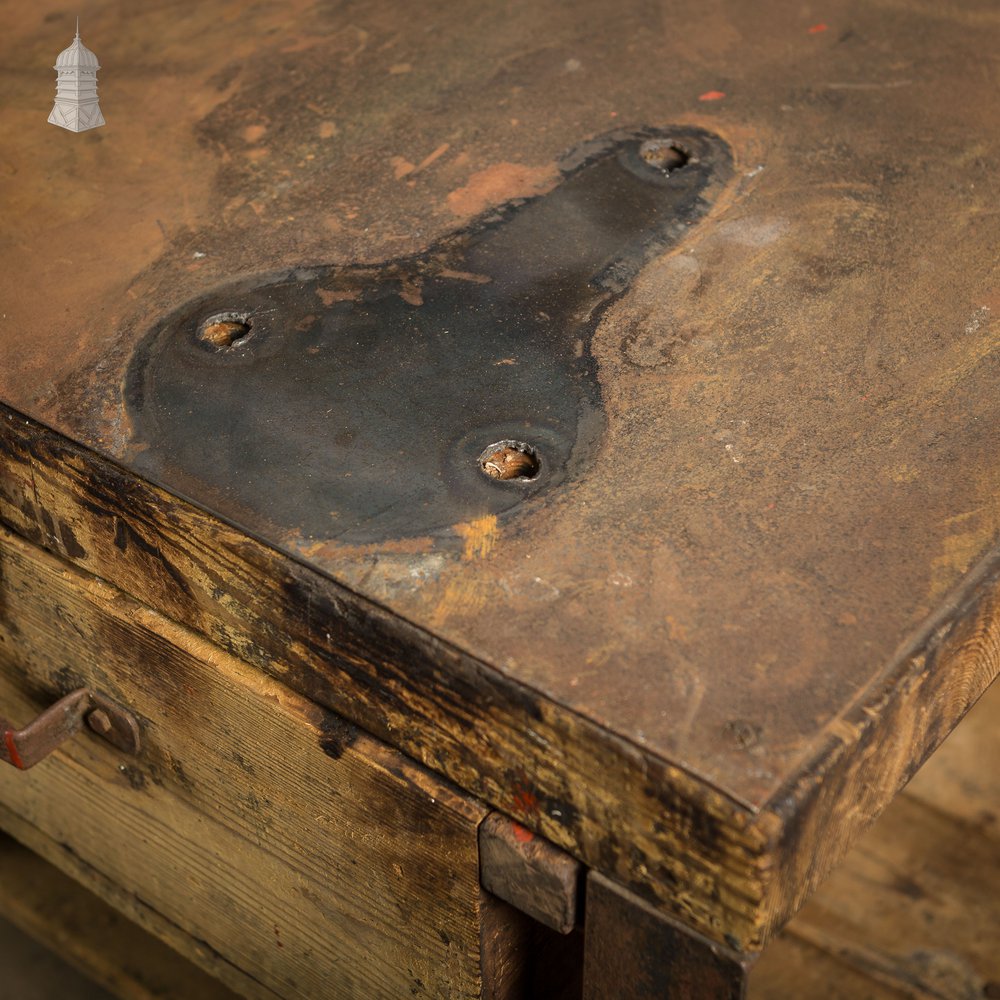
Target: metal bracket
x,y
23,748
406,397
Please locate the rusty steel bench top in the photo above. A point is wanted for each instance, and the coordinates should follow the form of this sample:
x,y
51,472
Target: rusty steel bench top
x,y
768,589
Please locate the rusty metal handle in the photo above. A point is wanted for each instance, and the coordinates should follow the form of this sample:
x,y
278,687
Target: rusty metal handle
x,y
23,748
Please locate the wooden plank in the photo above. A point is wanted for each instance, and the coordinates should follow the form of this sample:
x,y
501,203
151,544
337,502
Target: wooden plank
x,y
962,779
32,972
529,873
92,936
134,909
293,845
913,910
878,744
634,953
131,906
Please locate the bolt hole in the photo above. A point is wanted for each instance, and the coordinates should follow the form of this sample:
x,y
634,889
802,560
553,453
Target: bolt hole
x,y
224,330
664,154
510,460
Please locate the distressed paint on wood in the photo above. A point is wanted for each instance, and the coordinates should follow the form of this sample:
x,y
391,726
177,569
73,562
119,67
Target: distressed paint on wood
x,y
305,853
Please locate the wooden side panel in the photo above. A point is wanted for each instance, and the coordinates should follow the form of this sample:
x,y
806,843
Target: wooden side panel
x,y
310,857
634,953
529,873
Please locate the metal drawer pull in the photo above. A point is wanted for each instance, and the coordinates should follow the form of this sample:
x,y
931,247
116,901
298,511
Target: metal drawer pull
x,y
23,748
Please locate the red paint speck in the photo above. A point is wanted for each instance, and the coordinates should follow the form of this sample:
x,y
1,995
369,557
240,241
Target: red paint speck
x,y
711,95
614,114
12,755
521,834
817,28
525,801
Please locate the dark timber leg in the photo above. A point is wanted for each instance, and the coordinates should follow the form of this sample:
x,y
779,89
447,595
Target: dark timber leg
x,y
632,951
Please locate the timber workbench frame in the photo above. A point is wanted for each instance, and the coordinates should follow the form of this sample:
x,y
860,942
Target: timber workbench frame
x,y
696,271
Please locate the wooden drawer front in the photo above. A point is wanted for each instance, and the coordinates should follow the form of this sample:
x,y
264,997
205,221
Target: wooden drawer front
x,y
288,852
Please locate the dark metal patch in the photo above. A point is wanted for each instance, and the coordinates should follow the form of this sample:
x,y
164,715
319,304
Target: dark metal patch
x,y
369,403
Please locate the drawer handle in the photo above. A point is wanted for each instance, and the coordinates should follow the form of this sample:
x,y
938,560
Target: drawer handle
x,y
26,747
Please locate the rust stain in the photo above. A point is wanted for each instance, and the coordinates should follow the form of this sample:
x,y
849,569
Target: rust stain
x,y
460,598
411,294
480,537
499,183
436,155
401,167
477,279
468,595
329,296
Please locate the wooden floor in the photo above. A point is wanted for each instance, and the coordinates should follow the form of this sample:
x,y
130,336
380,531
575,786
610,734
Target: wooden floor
x,y
913,912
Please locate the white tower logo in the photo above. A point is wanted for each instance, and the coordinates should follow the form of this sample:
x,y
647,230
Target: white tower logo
x,y
76,106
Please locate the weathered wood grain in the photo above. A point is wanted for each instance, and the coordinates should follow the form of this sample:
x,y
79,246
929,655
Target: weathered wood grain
x,y
798,459
529,873
799,462
878,744
94,937
604,800
913,910
635,953
303,852
732,873
126,902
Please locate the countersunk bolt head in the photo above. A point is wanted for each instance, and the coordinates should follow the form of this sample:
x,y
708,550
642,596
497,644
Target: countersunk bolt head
x,y
98,721
665,154
510,460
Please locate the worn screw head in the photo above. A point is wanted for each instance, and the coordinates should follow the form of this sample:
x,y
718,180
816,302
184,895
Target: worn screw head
x,y
98,721
664,154
224,330
509,460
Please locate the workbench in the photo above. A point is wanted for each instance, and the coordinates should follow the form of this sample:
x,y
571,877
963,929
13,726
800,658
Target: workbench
x,y
516,484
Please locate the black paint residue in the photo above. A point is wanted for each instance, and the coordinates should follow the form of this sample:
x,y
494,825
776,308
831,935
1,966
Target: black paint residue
x,y
357,401
336,735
